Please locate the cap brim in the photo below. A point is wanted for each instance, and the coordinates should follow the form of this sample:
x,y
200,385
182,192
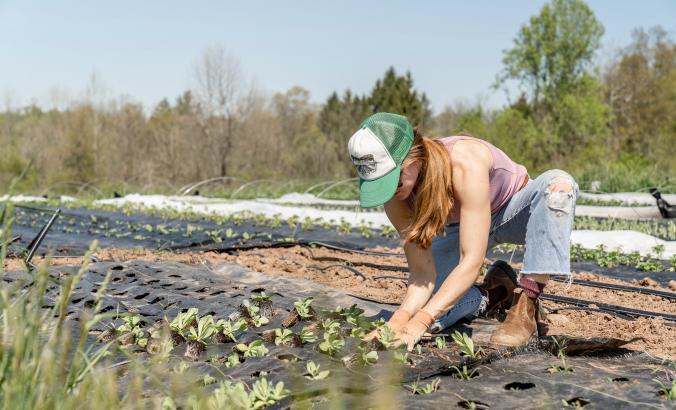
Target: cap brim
x,y
378,191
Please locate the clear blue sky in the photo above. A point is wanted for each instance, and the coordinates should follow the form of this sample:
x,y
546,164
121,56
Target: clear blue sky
x,y
146,49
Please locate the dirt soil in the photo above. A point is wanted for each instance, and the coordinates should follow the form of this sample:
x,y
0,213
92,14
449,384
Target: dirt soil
x,y
318,264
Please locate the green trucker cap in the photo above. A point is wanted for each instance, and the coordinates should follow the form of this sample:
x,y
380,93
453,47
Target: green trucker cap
x,y
377,149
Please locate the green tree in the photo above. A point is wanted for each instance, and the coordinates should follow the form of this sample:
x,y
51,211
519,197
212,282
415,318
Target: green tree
x,y
551,60
553,52
305,152
340,117
640,86
395,93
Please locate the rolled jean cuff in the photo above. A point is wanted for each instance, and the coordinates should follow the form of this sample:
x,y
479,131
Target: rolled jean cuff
x,y
539,272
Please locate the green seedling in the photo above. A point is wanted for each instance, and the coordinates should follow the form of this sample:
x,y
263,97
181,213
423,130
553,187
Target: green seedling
x,y
232,360
330,325
255,318
229,233
183,321
230,330
258,321
276,221
313,372
417,388
331,344
307,336
292,221
466,345
181,367
387,231
669,393
189,230
282,336
307,224
260,297
440,342
197,338
561,354
303,307
253,349
228,361
208,379
215,235
230,395
264,393
387,336
401,357
367,357
365,231
464,373
131,332
352,315
344,228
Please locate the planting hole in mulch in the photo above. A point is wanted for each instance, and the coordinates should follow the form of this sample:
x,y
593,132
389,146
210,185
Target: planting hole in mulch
x,y
289,358
577,402
515,386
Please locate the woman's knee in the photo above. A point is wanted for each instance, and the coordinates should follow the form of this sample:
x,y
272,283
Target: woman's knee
x,y
560,191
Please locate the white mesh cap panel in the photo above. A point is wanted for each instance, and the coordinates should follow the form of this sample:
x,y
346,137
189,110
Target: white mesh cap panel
x,y
369,155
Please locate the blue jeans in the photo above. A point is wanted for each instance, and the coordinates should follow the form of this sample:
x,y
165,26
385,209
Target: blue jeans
x,y
534,217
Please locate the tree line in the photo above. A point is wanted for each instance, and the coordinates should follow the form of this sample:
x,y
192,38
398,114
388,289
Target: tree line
x,y
613,122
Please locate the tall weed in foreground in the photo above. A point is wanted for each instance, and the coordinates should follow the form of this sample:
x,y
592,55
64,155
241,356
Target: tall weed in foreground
x,y
43,356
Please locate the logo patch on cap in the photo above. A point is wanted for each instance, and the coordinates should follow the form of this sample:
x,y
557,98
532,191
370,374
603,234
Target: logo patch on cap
x,y
366,165
369,155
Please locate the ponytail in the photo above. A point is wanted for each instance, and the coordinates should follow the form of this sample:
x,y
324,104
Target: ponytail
x,y
434,189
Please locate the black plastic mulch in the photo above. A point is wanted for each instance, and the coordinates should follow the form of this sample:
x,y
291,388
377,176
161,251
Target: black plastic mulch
x,y
603,375
76,228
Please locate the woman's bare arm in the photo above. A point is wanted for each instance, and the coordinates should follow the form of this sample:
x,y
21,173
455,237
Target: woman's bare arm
x,y
420,261
471,165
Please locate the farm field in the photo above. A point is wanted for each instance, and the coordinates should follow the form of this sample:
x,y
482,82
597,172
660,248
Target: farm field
x,y
255,310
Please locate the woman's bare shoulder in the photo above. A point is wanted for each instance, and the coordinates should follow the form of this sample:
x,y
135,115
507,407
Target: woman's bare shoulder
x,y
471,155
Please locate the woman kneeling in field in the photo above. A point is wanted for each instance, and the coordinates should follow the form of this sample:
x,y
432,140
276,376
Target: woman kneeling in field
x,y
451,199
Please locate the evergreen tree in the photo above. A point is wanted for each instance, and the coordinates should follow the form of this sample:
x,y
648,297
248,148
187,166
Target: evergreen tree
x,y
395,93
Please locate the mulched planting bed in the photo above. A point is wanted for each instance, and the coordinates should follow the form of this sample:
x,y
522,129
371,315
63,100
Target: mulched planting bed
x,y
596,371
161,268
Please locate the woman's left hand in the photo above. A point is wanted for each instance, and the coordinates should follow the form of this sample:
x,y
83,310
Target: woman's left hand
x,y
409,336
414,330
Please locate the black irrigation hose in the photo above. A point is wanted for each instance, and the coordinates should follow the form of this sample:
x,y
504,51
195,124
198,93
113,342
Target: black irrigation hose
x,y
35,243
612,309
607,307
634,289
338,265
340,248
590,309
660,293
380,302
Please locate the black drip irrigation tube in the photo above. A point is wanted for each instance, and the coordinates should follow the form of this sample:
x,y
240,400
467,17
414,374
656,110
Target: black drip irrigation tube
x,y
35,243
634,289
607,307
620,311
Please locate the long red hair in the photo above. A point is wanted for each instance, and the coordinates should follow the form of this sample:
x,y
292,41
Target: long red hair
x,y
433,189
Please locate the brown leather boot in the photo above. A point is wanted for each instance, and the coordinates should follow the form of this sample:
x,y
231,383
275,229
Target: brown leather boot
x,y
499,274
520,323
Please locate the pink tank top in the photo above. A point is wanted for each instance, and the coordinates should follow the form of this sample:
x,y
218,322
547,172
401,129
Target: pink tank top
x,y
505,177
